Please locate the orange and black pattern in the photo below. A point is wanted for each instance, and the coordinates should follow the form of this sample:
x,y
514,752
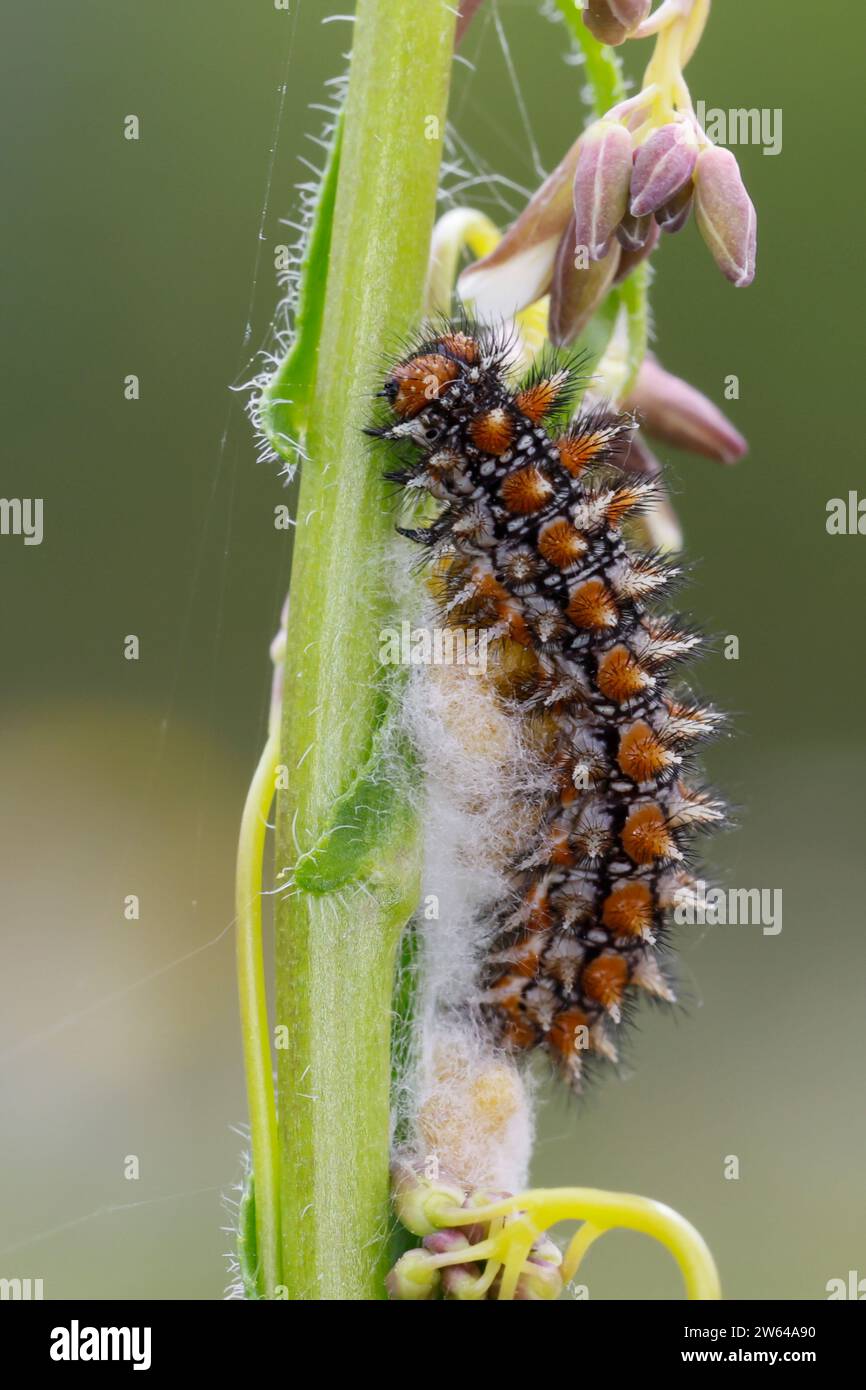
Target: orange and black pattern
x,y
529,544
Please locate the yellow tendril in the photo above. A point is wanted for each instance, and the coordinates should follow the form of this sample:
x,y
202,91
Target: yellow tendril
x,y
534,1212
580,1243
255,1031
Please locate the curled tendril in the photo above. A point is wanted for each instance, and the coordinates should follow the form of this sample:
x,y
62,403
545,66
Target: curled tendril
x,y
509,1243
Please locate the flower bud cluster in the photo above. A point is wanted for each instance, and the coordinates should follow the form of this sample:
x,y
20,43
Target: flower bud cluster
x,y
461,1258
634,174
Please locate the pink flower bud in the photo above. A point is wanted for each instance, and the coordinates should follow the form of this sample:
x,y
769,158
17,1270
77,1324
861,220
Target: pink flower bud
x,y
678,414
629,259
601,184
576,292
674,215
602,24
662,165
445,1242
726,215
630,12
611,21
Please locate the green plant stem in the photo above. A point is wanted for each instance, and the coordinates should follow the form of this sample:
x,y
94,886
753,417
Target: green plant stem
x,y
255,1034
634,297
602,64
335,949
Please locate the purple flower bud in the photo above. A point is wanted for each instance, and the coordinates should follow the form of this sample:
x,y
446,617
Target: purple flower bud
x,y
611,21
630,12
674,215
458,1280
629,259
413,1278
602,24
576,292
662,165
633,233
601,184
726,215
680,415
446,1241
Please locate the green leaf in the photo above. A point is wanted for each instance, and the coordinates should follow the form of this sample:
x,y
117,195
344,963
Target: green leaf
x,y
373,815
246,1243
285,401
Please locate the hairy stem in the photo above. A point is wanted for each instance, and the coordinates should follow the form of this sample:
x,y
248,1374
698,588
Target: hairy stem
x,y
601,63
351,890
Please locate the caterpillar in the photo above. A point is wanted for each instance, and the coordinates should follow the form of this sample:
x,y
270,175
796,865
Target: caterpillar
x,y
528,542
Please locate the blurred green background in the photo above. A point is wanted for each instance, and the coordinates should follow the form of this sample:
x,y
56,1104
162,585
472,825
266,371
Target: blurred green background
x,y
156,258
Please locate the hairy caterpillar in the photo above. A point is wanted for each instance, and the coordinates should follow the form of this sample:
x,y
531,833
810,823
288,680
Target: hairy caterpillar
x,y
528,544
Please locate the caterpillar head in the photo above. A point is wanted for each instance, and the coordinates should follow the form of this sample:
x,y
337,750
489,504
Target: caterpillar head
x,y
431,375
413,384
